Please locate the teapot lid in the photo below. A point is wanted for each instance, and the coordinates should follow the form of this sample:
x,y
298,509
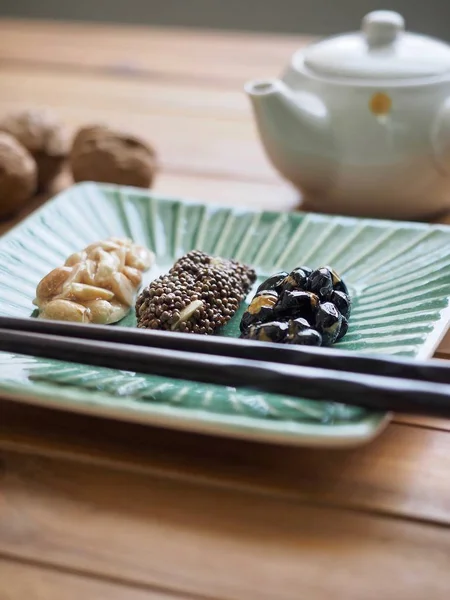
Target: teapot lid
x,y
382,50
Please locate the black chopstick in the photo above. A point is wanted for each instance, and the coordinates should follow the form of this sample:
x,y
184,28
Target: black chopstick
x,y
366,390
323,358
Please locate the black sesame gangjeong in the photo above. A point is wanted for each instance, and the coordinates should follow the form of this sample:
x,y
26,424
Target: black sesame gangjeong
x,y
295,303
328,323
273,331
199,294
274,282
301,333
260,309
301,307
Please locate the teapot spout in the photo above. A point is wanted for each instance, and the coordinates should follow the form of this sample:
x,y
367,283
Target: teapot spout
x,y
295,130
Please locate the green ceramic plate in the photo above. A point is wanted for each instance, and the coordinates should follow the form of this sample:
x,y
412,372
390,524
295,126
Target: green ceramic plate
x,y
399,275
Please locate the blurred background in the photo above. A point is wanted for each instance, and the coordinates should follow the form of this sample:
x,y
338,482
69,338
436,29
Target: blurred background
x,y
291,16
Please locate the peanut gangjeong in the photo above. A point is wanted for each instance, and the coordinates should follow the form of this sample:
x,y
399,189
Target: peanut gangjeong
x,y
96,285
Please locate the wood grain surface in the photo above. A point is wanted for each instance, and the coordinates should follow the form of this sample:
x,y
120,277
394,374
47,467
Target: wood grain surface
x,y
384,477
25,579
98,509
223,543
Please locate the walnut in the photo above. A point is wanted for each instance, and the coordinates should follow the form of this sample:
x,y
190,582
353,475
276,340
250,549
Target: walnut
x,y
17,175
96,285
44,137
108,156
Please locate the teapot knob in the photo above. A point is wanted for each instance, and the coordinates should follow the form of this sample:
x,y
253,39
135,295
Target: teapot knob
x,y
382,27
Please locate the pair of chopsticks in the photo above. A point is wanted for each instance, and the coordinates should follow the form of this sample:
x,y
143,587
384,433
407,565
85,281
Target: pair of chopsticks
x,y
378,383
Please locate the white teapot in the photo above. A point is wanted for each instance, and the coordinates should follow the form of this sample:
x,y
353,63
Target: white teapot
x,y
360,123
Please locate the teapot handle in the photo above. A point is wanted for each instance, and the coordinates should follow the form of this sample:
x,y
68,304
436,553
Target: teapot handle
x,y
440,137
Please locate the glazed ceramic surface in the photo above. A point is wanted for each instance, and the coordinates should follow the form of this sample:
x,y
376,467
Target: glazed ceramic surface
x,y
360,123
398,273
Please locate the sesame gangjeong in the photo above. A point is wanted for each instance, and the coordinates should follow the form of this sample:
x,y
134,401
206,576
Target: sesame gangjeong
x,y
199,294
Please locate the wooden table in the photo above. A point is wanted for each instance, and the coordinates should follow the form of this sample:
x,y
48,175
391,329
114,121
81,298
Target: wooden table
x,y
102,510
